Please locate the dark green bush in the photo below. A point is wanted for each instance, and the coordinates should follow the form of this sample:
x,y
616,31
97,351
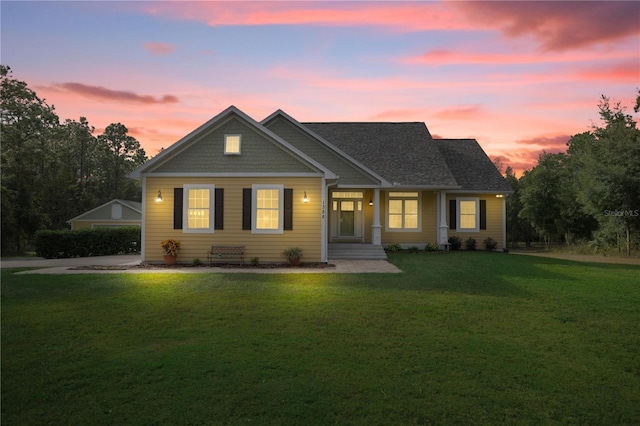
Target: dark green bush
x,y
393,248
490,243
87,242
431,247
470,244
455,243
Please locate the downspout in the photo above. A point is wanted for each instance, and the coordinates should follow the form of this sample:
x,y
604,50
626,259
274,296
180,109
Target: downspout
x,y
143,224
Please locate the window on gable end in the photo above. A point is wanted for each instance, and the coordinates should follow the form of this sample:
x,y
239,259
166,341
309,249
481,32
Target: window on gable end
x,y
232,144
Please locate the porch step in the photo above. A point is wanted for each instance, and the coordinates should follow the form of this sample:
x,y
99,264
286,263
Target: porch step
x,y
348,251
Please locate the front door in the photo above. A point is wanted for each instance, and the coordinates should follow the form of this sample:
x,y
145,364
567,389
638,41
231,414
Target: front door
x,y
347,209
347,216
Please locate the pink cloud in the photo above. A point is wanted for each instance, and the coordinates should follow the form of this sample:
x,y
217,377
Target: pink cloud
x,y
559,25
622,72
159,48
552,142
411,16
439,57
397,114
99,92
461,112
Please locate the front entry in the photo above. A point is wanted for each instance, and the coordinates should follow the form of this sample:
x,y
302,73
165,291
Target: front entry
x,y
347,216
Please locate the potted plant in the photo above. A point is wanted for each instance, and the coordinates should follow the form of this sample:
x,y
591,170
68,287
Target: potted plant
x,y
171,248
293,254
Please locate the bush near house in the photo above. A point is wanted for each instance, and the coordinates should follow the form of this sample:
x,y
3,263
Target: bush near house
x,y
455,243
470,244
87,242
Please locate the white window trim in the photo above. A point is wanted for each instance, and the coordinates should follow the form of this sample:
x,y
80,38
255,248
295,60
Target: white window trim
x,y
458,213
239,145
388,198
185,209
254,209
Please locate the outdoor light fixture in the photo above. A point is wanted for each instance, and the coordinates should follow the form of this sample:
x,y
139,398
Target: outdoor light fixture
x,y
499,196
370,202
305,199
159,197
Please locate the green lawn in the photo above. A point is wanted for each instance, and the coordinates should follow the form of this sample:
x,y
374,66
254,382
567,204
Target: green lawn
x,y
467,338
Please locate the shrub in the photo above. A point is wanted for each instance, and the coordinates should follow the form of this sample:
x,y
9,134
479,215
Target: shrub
x,y
171,247
455,243
57,244
393,248
490,243
255,261
470,244
431,247
293,254
196,262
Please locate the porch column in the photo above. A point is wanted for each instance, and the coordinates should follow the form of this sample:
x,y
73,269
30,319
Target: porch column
x,y
443,238
376,228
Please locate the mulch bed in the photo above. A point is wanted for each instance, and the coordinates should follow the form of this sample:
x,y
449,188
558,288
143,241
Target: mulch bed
x,y
203,266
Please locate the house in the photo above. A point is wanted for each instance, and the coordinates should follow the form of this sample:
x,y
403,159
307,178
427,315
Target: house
x,y
329,188
113,214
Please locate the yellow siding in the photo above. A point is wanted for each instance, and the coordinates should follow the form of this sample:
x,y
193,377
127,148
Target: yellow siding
x,y
307,222
428,233
494,221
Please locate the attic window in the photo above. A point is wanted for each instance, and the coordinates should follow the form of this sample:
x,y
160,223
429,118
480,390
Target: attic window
x,y
116,211
232,144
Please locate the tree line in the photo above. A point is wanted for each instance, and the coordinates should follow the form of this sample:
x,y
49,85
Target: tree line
x,y
589,194
53,170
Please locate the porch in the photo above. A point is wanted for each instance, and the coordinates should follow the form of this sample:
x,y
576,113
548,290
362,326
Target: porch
x,y
356,251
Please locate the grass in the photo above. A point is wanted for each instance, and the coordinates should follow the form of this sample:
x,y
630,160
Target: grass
x,y
467,338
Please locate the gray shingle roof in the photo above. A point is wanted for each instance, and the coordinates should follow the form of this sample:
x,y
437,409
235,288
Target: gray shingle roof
x,y
402,153
471,167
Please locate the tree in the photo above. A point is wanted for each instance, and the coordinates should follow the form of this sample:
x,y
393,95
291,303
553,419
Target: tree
x,y
549,201
518,229
608,171
27,125
120,154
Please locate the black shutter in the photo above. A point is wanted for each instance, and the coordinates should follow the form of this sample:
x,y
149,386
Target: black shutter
x,y
246,208
288,209
483,214
219,207
452,214
177,208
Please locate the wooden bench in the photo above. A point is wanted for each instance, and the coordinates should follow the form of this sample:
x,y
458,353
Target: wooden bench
x,y
225,252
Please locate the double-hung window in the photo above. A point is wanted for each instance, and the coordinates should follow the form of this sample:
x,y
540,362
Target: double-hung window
x,y
403,211
468,214
198,208
268,214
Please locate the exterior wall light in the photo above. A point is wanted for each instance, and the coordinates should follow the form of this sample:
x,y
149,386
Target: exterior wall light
x,y
370,201
159,197
305,199
499,195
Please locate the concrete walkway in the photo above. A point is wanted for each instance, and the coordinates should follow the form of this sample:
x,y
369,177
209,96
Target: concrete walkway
x,y
65,266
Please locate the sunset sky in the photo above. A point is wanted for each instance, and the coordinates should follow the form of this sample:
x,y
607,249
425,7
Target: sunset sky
x,y
520,77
